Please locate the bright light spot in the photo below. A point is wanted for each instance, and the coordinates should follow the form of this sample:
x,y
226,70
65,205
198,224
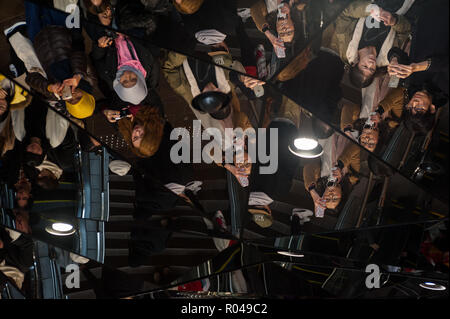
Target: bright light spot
x,y
432,286
305,144
62,227
287,253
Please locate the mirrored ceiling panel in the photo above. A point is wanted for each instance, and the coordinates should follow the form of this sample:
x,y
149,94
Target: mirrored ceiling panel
x,y
377,83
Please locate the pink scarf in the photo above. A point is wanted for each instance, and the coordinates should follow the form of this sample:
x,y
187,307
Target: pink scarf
x,y
125,57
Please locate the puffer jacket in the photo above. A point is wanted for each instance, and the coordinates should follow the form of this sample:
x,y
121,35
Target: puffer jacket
x,y
54,44
132,15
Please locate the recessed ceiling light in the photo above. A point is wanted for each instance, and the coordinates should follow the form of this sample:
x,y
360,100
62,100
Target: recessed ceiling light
x,y
432,286
60,229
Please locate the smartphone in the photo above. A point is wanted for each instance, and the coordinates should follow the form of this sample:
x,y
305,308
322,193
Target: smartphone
x,y
123,114
67,93
394,82
244,181
280,52
320,212
111,34
259,91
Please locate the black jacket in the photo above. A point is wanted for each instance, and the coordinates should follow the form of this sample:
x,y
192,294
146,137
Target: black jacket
x,y
105,61
19,253
55,44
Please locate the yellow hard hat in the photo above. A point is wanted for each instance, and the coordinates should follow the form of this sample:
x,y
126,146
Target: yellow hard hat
x,y
84,108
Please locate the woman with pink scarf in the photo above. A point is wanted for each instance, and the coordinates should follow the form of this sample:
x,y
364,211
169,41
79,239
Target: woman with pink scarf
x,y
127,71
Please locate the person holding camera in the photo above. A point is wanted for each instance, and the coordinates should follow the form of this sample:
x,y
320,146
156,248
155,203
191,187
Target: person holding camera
x,y
61,53
126,69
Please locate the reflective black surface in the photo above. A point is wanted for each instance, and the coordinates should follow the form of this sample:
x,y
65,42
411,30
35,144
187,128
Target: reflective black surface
x,y
132,187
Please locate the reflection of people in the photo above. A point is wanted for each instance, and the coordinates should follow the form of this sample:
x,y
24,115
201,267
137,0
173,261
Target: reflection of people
x,y
279,30
126,67
366,48
16,255
61,53
370,130
327,192
189,78
142,129
429,48
12,99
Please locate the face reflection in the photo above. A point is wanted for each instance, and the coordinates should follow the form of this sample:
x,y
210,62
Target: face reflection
x,y
369,139
367,61
128,79
137,135
332,196
285,26
420,103
22,198
35,146
105,17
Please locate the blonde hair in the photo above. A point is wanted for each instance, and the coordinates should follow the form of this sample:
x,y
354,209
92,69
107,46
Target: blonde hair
x,y
153,123
188,6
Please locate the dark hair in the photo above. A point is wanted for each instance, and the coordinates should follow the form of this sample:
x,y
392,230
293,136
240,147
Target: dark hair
x,y
92,9
46,182
358,79
420,124
33,160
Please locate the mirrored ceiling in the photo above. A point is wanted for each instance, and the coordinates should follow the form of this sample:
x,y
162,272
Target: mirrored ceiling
x,y
153,144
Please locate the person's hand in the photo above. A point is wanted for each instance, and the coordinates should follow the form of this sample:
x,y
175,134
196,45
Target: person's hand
x,y
56,88
104,42
111,115
388,18
3,94
376,118
239,173
73,82
276,42
249,82
337,173
400,70
318,201
222,45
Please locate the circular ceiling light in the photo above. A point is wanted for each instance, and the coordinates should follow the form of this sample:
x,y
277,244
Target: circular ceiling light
x,y
305,144
306,148
290,254
432,286
60,229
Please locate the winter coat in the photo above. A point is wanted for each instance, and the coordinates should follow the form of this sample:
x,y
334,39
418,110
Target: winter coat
x,y
345,41
105,61
55,44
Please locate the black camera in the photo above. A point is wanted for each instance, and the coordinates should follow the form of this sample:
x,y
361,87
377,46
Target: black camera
x,y
111,34
123,113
